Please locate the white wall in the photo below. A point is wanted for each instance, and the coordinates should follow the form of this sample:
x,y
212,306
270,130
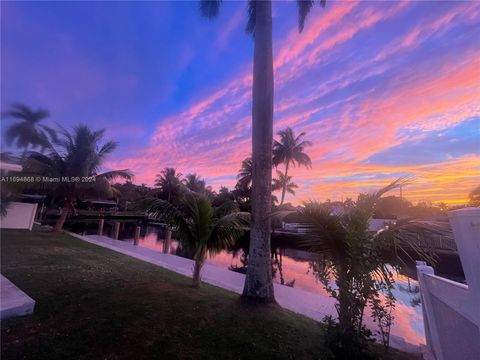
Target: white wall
x,y
19,216
451,311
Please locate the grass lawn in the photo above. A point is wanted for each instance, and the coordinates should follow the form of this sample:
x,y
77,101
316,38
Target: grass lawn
x,y
93,303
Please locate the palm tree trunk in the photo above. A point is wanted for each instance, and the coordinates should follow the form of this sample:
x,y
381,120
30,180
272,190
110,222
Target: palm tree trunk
x,y
61,220
285,184
199,259
344,320
258,281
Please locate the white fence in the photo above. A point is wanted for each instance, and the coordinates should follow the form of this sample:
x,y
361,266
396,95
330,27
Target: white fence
x,y
19,216
451,310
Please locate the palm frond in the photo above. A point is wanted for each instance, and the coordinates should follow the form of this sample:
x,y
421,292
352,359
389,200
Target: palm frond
x,y
226,208
13,132
107,148
227,230
367,202
304,7
303,144
325,233
290,188
252,18
41,164
302,159
401,181
164,211
23,112
210,8
416,236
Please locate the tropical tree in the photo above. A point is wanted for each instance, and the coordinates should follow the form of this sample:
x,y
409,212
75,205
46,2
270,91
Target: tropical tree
x,y
170,184
284,183
290,150
75,160
258,282
361,263
194,183
132,195
224,195
474,197
244,176
243,188
28,132
200,227
392,206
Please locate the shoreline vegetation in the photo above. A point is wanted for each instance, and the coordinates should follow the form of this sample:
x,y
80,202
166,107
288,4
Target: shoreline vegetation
x,y
94,303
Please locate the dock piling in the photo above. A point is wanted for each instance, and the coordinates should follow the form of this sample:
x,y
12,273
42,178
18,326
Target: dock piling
x,y
137,235
116,230
100,226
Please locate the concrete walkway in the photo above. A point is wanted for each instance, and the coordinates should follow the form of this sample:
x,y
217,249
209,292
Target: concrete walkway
x,y
13,301
312,305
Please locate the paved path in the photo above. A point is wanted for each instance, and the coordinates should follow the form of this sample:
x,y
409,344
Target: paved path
x,y
312,305
13,301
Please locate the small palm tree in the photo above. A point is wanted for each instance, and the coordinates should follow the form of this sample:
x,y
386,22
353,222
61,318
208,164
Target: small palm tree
x,y
284,183
290,150
258,282
359,261
76,158
200,227
170,183
194,183
29,132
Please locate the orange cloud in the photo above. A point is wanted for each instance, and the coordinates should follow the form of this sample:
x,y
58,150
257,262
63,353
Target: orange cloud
x,y
448,181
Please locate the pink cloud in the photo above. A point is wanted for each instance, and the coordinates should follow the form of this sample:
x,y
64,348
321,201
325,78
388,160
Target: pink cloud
x,y
211,137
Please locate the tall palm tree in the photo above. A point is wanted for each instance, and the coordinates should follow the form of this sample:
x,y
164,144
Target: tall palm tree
x,y
258,282
170,183
290,150
194,183
285,184
29,132
75,159
201,228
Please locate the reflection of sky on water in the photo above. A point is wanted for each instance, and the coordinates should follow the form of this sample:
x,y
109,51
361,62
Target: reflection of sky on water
x,y
408,321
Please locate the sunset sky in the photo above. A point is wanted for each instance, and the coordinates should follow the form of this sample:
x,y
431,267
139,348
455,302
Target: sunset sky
x,y
382,89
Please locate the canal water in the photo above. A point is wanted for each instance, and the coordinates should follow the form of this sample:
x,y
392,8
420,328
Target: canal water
x,y
292,267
